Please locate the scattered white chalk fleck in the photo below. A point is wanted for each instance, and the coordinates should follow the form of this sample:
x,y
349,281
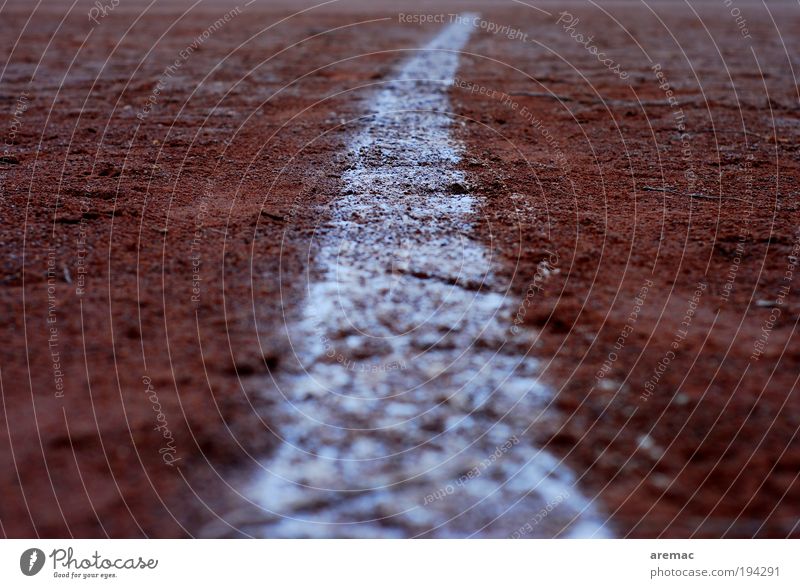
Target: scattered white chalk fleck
x,y
648,445
608,384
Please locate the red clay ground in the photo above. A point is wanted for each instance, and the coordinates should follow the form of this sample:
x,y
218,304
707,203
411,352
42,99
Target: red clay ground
x,y
188,200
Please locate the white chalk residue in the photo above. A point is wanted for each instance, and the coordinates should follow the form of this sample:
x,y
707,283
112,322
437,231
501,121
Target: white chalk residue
x,y
412,410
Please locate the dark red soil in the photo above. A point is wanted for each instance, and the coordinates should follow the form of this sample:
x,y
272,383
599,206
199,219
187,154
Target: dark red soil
x,y
246,141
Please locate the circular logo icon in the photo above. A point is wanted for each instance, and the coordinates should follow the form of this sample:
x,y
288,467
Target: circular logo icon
x,y
31,561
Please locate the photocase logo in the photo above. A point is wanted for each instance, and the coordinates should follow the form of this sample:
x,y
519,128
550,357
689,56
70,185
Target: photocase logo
x,y
31,561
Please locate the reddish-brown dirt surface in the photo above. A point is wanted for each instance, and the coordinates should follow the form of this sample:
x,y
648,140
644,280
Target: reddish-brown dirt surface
x,y
724,460
153,245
